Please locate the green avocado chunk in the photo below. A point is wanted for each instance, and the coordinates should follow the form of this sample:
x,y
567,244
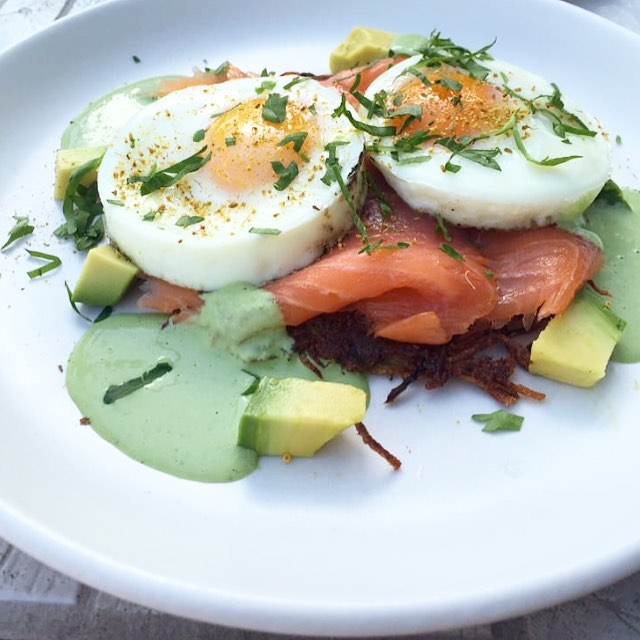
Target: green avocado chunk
x,y
291,416
105,277
361,46
575,347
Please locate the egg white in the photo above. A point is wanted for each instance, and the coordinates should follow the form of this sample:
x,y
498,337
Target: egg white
x,y
308,214
522,193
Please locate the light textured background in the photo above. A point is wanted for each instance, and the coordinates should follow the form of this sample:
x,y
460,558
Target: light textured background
x,y
37,603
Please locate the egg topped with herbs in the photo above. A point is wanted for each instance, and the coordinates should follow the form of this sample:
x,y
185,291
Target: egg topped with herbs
x,y
482,142
244,180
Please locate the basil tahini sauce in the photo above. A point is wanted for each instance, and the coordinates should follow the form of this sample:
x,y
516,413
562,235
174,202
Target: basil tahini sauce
x,y
188,381
617,223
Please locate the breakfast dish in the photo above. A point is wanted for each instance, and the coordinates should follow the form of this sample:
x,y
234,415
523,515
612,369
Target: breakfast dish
x,y
457,484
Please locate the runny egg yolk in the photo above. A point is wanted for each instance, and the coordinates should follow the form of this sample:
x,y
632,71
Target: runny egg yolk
x,y
453,105
244,144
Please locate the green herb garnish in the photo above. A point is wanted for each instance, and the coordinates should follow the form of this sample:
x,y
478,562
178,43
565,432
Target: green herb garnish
x,y
117,203
252,388
160,179
297,139
381,132
82,209
198,136
275,108
103,315
287,174
500,420
187,221
441,228
53,263
118,391
265,231
230,141
19,230
294,82
266,85
451,252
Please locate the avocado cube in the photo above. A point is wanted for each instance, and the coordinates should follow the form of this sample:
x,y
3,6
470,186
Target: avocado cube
x,y
69,159
105,277
361,46
296,417
575,347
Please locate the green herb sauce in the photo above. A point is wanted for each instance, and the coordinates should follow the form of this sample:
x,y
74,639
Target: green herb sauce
x,y
185,422
619,229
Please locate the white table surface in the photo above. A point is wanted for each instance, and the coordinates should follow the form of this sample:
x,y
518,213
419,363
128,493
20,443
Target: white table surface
x,y
38,603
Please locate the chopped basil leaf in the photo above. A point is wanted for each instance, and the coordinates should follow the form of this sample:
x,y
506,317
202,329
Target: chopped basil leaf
x,y
103,315
451,252
267,85
489,273
297,138
461,147
82,209
117,391
545,162
251,389
500,420
117,203
449,83
442,228
413,160
198,136
149,216
294,82
381,132
171,175
275,108
53,263
187,221
287,174
265,231
19,230
230,141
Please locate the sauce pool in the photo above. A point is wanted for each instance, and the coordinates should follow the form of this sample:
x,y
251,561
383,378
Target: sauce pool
x,y
185,422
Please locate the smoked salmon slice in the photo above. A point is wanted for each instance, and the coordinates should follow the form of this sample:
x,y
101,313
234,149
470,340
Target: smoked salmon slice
x,y
538,271
165,297
425,292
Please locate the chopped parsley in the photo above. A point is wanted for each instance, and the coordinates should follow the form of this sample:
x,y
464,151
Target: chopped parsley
x,y
53,262
82,209
160,179
275,108
118,391
187,221
287,174
451,252
103,315
499,420
19,230
267,85
265,231
198,136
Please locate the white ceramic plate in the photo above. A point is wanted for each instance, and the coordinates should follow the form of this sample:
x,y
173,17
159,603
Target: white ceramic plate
x,y
473,528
